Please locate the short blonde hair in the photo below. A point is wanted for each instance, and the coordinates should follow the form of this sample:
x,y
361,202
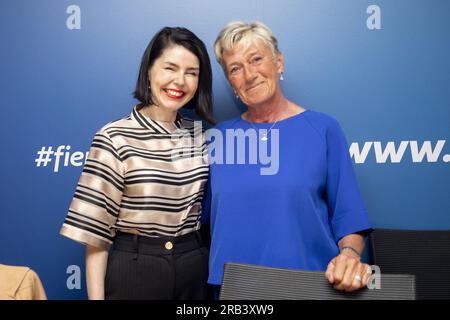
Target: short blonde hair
x,y
239,32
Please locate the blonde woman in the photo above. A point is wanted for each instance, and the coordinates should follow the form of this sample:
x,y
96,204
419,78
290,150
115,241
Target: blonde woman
x,y
307,215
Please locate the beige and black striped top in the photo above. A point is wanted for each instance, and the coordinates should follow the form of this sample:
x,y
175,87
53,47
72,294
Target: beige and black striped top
x,y
141,176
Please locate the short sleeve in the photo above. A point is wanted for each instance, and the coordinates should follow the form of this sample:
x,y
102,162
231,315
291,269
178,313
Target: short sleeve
x,y
345,205
95,205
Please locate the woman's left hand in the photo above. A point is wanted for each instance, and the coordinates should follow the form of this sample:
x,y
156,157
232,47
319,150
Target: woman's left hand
x,y
347,273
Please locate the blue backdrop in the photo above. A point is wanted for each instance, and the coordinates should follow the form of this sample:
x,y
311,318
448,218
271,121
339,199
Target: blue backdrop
x,y
380,67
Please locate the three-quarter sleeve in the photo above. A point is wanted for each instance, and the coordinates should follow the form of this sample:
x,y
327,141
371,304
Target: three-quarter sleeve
x,y
95,205
345,205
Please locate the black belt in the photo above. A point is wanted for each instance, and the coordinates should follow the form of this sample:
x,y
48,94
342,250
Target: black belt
x,y
158,245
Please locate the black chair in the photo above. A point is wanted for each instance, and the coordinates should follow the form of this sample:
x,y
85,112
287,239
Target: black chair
x,y
250,282
423,253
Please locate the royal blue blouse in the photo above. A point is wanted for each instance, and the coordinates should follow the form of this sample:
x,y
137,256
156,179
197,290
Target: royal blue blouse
x,y
292,217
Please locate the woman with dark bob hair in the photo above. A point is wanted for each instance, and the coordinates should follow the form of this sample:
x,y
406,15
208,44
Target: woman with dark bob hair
x,y
137,206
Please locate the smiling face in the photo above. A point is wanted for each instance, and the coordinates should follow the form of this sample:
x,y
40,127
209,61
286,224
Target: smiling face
x,y
253,72
174,78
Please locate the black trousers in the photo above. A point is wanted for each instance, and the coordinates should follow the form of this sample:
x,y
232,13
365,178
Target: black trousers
x,y
164,268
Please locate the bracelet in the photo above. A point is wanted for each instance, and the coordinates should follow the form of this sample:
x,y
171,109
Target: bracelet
x,y
352,249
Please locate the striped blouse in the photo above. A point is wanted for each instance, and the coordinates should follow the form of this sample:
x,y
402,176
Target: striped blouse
x,y
141,176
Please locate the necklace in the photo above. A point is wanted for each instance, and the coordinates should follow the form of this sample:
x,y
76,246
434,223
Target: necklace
x,y
172,123
264,135
162,123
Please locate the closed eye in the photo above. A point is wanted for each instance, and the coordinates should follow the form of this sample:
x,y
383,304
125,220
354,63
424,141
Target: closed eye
x,y
193,73
256,60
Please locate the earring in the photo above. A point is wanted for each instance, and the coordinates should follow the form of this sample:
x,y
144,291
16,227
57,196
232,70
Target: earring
x,y
235,93
281,76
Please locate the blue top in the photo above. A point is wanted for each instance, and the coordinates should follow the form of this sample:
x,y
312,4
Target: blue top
x,y
293,218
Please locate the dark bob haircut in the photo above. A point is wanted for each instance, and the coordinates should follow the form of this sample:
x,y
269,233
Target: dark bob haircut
x,y
165,38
